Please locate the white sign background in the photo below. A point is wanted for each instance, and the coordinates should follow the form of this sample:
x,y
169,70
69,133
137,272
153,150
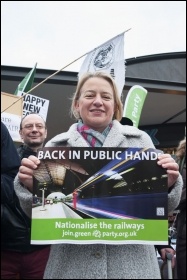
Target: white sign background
x,y
34,104
12,122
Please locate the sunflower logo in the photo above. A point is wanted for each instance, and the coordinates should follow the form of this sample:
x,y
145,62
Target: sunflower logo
x,y
96,233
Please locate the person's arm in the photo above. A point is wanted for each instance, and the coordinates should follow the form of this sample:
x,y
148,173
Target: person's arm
x,y
10,163
175,182
23,183
163,250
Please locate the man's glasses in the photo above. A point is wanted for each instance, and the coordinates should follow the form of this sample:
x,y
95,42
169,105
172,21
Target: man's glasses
x,y
31,126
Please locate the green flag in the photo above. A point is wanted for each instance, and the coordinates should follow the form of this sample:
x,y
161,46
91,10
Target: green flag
x,y
134,103
26,83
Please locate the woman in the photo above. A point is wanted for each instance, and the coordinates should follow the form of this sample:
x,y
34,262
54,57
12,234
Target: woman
x,y
97,107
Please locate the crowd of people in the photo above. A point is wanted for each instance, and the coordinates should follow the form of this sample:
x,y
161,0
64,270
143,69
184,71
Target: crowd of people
x,y
97,109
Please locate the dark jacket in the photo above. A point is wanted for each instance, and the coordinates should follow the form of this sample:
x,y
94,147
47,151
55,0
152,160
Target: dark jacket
x,y
10,163
12,215
24,151
16,225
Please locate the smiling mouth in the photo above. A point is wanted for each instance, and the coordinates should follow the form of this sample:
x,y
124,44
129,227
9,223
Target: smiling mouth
x,y
97,111
35,137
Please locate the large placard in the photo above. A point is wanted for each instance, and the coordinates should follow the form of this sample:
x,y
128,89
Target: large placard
x,y
99,195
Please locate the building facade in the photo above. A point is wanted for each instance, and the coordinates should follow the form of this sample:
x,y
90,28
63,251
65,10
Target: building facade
x,y
162,75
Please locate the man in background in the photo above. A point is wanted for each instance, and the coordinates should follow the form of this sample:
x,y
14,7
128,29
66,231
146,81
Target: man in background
x,y
19,257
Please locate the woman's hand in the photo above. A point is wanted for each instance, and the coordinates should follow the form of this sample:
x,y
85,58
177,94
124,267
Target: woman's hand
x,y
26,169
172,168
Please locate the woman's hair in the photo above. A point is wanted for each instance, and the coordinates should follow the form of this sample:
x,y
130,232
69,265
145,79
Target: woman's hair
x,y
181,149
118,113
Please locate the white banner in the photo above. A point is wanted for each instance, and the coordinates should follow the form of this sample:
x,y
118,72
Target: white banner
x,y
34,104
108,57
12,122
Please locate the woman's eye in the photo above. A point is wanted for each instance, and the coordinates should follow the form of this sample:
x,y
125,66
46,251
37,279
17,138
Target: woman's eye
x,y
107,97
89,95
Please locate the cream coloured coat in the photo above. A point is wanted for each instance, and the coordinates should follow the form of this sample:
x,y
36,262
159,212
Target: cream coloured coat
x,y
98,261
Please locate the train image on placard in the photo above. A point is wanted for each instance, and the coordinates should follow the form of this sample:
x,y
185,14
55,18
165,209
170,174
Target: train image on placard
x,y
123,188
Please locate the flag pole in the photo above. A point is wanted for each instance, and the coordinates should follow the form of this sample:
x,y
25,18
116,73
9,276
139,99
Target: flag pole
x,y
109,40
42,82
58,72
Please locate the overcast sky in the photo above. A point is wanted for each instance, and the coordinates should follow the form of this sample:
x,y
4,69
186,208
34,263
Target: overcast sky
x,y
54,34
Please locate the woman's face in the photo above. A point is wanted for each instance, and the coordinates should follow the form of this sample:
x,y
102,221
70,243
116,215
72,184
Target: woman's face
x,y
96,103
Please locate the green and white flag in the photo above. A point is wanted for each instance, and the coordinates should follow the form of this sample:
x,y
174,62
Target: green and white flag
x,y
109,58
26,83
134,103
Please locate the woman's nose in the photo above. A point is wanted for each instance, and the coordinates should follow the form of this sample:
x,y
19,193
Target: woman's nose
x,y
98,100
